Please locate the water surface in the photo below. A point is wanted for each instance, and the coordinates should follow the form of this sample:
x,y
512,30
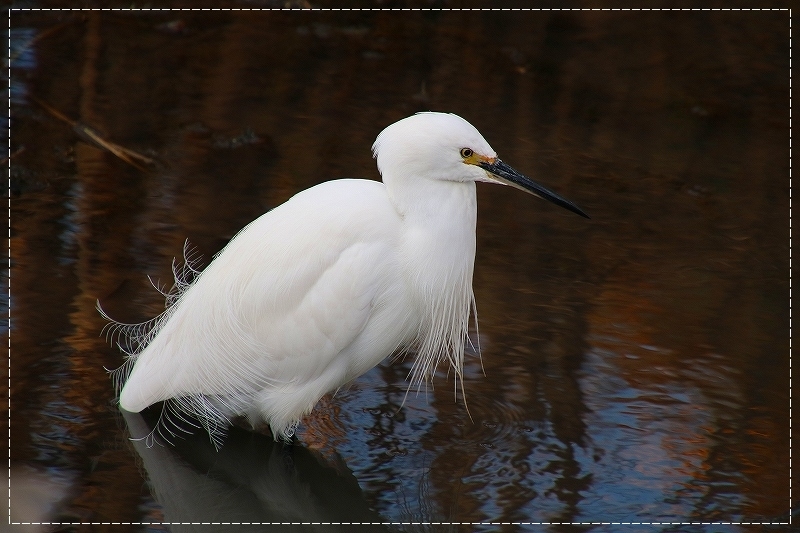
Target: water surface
x,y
634,367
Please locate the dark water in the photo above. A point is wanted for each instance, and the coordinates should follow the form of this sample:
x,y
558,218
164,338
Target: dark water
x,y
635,367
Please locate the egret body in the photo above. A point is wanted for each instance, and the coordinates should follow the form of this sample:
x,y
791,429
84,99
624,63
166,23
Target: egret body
x,y
322,288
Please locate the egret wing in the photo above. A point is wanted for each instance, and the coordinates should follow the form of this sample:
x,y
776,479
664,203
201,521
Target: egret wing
x,y
275,311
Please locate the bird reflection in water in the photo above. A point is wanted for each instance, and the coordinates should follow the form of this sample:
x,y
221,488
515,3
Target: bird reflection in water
x,y
251,479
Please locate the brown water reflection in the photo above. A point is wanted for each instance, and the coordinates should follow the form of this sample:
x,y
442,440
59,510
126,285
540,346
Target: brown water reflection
x,y
636,365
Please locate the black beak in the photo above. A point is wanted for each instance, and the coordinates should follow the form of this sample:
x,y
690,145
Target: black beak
x,y
509,176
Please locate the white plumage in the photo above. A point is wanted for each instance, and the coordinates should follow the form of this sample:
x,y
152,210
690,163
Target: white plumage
x,y
322,288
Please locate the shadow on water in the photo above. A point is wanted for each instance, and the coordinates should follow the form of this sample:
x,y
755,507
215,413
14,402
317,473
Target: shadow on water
x,y
251,479
633,368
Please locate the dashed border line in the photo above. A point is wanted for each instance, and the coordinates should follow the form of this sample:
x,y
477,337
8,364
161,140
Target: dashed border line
x,y
401,523
343,9
8,273
395,9
790,264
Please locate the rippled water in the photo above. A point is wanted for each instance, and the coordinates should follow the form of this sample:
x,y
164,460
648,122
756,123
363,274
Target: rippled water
x,y
634,367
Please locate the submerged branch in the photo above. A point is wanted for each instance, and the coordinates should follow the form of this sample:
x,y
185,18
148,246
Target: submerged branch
x,y
89,134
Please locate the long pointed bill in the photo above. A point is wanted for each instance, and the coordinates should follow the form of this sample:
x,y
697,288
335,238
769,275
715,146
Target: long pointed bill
x,y
508,176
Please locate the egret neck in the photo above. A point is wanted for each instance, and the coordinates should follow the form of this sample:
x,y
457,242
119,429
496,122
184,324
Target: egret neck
x,y
438,247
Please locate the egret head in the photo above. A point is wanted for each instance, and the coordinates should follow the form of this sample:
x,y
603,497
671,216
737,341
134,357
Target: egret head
x,y
430,146
445,147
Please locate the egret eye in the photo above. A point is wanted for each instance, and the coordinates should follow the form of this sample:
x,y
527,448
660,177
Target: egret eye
x,y
466,152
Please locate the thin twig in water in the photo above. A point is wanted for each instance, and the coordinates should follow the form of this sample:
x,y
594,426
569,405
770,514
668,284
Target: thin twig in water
x,y
16,153
89,134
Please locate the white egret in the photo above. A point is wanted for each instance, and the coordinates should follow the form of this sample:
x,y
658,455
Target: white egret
x,y
319,290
